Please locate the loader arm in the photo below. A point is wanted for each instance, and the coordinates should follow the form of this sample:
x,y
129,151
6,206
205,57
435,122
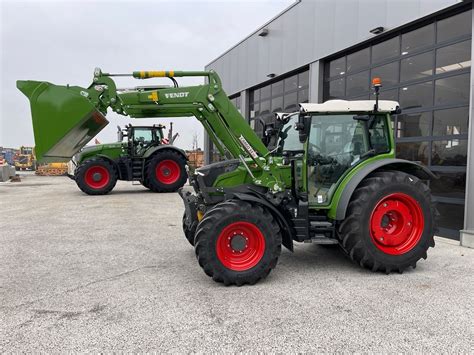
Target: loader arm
x,y
54,105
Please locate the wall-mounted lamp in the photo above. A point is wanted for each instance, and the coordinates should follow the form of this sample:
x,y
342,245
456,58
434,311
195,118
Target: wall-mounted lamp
x,y
377,30
263,32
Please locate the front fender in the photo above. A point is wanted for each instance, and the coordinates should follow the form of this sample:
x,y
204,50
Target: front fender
x,y
406,166
104,157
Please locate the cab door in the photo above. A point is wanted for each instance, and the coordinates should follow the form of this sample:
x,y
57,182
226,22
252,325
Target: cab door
x,y
336,144
141,139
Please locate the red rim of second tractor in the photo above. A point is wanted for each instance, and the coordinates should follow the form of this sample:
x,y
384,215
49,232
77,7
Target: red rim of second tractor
x,y
396,224
240,246
97,177
167,171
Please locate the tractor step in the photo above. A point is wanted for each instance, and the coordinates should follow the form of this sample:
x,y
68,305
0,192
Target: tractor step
x,y
322,232
321,239
137,166
321,224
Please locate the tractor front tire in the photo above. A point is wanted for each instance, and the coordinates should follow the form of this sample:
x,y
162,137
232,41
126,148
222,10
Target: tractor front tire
x,y
165,171
189,229
96,176
389,223
238,243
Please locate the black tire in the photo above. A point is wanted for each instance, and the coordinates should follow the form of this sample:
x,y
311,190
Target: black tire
x,y
152,179
189,229
211,232
90,187
373,252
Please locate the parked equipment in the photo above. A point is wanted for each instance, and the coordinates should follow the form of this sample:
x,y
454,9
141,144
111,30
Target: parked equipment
x,y
26,159
51,169
331,175
145,157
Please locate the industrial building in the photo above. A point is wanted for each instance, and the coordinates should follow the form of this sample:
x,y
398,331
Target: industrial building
x,y
317,50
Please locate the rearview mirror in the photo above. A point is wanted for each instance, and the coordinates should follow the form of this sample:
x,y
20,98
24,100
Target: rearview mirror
x,y
119,134
368,119
302,126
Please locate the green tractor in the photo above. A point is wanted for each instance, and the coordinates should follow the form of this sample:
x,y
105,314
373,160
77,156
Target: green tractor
x,y
328,175
146,157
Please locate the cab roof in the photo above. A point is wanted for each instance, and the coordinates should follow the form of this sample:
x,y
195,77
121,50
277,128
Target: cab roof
x,y
350,106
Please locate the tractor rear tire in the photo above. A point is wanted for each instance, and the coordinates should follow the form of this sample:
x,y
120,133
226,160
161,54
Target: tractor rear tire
x,y
390,222
165,171
238,243
189,230
96,176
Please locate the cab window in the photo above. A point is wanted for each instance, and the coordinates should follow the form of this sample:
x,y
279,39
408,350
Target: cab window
x,y
143,135
288,139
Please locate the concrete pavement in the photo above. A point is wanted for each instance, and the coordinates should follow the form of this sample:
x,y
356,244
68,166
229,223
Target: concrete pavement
x,y
115,273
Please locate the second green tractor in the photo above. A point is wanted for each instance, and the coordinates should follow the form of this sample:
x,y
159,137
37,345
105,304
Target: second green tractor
x,y
144,156
325,174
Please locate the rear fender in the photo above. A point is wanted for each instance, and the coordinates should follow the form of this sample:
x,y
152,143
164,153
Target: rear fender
x,y
156,149
286,229
406,166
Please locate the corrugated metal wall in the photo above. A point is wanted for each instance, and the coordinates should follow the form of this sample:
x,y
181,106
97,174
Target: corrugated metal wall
x,y
311,30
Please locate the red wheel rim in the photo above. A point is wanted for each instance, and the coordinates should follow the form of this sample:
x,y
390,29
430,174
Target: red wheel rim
x,y
240,246
97,177
167,172
396,224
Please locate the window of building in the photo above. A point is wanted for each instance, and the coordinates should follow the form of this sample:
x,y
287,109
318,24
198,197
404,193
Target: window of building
x,y
417,67
236,101
451,185
386,50
414,125
453,90
391,95
415,151
336,88
336,67
427,70
419,38
454,27
357,83
282,95
451,122
389,73
449,152
454,57
358,60
416,96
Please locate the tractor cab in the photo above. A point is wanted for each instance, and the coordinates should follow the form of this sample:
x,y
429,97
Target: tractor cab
x,y
333,138
141,138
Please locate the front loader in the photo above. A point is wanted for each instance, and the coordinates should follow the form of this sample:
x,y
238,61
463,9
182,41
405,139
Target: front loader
x,y
331,176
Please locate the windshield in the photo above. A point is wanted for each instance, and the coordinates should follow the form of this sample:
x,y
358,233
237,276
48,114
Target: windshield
x,y
288,138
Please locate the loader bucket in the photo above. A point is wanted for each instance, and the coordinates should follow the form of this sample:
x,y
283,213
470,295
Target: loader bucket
x,y
64,119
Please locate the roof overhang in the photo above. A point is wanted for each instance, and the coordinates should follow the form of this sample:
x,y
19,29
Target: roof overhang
x,y
350,106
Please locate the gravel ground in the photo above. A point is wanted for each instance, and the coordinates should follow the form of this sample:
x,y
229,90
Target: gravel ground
x,y
115,273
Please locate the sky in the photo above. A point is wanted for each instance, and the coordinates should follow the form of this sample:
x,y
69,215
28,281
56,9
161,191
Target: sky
x,y
63,41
